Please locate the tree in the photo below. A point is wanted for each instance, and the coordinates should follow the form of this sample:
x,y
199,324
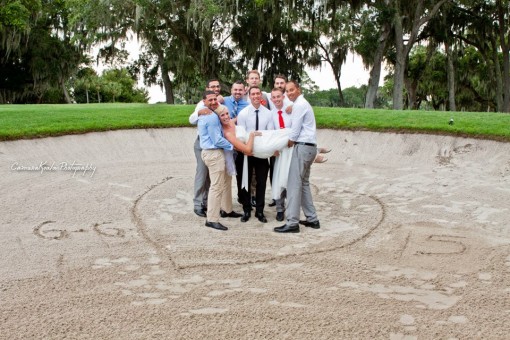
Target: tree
x,y
408,18
36,52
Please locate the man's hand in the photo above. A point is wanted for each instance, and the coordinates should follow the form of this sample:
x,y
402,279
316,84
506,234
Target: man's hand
x,y
276,153
204,111
288,110
220,99
290,143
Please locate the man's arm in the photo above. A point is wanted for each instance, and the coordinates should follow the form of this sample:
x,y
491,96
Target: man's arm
x,y
214,131
200,109
298,114
193,117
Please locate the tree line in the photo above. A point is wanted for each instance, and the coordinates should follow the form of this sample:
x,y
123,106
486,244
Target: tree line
x,y
443,54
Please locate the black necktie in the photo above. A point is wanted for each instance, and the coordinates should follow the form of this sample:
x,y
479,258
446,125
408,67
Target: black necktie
x,y
256,120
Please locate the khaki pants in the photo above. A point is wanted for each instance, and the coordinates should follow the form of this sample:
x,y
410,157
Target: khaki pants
x,y
220,192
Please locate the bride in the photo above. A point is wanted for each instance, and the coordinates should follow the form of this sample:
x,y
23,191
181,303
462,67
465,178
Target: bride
x,y
269,143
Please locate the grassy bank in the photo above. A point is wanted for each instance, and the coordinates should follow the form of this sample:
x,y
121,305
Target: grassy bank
x,y
35,121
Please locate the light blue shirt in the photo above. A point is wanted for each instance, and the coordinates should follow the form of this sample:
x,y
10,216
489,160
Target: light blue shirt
x,y
233,106
211,133
303,127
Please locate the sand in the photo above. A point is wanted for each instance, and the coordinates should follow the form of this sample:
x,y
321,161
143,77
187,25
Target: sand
x,y
414,244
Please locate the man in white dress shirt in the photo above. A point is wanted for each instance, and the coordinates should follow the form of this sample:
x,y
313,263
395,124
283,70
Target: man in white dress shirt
x,y
281,120
255,117
304,139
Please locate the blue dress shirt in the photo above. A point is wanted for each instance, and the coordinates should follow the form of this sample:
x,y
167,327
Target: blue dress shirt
x,y
210,133
233,106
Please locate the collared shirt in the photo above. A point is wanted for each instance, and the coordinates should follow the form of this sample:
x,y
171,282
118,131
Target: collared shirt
x,y
287,118
211,133
247,118
303,122
234,107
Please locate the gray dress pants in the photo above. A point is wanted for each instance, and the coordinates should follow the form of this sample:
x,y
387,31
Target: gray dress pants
x,y
202,181
299,194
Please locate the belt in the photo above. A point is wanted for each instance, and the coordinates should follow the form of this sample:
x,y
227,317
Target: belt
x,y
307,144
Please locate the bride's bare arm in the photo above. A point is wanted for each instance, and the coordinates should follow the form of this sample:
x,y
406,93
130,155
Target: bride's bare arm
x,y
239,145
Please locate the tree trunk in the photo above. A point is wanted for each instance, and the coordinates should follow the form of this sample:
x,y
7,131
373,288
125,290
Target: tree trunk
x,y
87,94
375,72
402,51
67,97
451,78
398,82
505,50
167,83
495,73
341,101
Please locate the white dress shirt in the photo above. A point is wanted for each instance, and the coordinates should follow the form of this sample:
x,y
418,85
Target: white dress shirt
x,y
193,118
303,127
247,118
287,118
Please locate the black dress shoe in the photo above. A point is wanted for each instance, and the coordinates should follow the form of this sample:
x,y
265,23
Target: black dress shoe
x,y
314,224
279,216
200,212
261,217
246,216
272,204
215,225
230,214
287,229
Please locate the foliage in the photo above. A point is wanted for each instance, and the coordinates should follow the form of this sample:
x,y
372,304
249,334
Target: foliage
x,y
114,85
36,54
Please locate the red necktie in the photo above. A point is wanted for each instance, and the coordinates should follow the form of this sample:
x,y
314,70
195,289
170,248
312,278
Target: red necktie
x,y
280,119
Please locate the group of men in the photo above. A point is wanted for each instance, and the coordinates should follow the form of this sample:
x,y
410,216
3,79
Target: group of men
x,y
255,110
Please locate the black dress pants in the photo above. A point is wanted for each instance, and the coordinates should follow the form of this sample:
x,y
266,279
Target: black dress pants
x,y
261,168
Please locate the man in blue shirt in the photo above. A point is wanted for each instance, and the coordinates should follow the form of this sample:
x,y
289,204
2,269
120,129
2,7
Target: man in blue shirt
x,y
235,102
213,143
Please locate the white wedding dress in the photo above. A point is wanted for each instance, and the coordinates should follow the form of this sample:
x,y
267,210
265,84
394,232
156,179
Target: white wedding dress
x,y
264,147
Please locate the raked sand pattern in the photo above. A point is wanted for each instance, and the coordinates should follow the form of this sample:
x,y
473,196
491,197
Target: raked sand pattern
x,y
414,244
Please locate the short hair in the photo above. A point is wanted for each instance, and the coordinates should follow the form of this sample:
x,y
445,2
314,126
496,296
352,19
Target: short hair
x,y
252,71
208,92
211,80
295,83
277,89
253,87
281,76
238,82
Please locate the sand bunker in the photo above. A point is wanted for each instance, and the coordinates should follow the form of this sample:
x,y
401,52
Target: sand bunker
x,y
99,241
